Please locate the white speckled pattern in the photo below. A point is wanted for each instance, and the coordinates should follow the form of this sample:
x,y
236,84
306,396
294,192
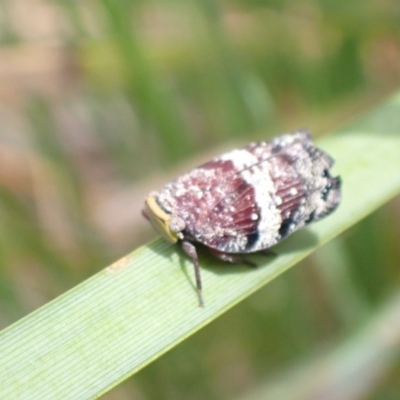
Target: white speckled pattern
x,y
250,199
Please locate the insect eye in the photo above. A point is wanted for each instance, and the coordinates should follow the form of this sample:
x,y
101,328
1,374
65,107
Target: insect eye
x,y
160,219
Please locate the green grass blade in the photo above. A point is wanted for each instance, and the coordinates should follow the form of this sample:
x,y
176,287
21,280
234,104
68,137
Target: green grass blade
x,y
104,330
372,351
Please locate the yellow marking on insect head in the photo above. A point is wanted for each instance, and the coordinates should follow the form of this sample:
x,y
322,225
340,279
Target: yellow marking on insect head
x,y
160,219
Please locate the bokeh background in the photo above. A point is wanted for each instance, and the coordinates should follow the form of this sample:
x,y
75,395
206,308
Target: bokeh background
x,y
103,101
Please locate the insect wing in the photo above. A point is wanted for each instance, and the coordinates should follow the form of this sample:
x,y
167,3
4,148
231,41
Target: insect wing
x,y
260,196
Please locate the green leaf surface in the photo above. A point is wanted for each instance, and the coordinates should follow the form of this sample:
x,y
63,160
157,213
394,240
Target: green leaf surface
x,y
83,343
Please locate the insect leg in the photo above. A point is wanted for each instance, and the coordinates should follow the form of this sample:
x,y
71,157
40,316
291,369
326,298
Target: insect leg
x,y
232,258
190,250
267,253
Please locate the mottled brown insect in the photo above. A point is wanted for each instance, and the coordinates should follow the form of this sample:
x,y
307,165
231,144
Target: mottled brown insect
x,y
246,200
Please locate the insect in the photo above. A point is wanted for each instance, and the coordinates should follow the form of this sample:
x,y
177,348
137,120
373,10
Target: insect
x,y
246,200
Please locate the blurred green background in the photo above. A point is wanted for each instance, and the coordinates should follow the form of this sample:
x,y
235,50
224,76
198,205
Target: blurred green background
x,y
103,101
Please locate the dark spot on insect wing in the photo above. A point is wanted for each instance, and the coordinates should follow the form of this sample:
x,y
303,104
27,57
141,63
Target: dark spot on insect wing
x,y
252,239
285,227
311,217
334,184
